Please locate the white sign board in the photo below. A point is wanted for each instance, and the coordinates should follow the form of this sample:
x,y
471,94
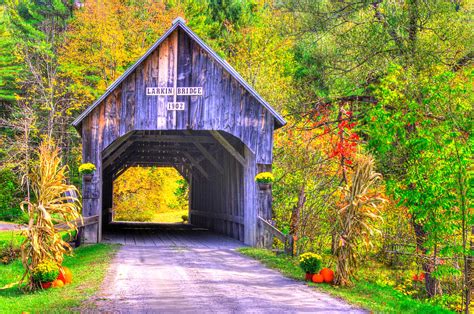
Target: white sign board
x,y
159,91
170,91
175,106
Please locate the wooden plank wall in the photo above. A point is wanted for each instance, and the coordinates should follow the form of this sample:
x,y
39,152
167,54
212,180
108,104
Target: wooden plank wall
x,y
225,106
218,203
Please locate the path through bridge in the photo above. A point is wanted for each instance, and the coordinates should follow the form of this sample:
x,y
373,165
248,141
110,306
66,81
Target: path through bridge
x,y
168,270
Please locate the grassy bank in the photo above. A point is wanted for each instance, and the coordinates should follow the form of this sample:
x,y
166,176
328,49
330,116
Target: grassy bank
x,y
368,295
88,265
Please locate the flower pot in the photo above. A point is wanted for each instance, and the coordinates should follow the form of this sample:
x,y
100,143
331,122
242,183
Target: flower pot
x,y
264,186
308,277
88,177
46,285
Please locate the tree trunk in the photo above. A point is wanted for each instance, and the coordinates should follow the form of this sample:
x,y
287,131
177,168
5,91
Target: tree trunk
x,y
470,275
428,265
295,213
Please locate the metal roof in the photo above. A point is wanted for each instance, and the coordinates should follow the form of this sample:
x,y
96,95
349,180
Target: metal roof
x,y
179,22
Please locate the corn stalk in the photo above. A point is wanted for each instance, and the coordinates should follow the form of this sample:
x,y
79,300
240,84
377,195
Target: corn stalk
x,y
54,204
358,212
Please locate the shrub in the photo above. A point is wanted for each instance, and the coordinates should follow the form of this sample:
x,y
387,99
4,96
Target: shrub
x,y
46,271
87,168
8,252
9,196
310,262
264,177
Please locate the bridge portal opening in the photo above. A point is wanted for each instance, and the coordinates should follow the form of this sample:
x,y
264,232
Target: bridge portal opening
x,y
150,195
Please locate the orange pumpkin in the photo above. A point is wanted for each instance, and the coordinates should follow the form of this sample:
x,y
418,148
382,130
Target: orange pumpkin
x,y
318,278
65,275
327,274
58,283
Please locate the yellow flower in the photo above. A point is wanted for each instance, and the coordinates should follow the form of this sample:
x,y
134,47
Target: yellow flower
x,y
264,177
87,168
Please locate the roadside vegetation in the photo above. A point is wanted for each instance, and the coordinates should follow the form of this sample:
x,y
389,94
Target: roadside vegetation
x,y
369,291
88,265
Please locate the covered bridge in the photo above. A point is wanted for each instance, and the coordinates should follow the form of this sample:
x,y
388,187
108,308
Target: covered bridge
x,y
180,105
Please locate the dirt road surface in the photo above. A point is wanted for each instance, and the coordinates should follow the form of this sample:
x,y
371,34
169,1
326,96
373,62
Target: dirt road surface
x,y
185,279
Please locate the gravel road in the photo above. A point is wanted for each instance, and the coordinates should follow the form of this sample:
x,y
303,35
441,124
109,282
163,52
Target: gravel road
x,y
204,280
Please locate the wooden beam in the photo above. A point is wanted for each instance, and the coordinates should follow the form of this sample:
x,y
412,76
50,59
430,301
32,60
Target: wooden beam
x,y
221,216
112,147
206,154
174,139
228,146
110,159
196,165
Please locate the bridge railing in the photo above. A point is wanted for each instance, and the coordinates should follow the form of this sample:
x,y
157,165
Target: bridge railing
x,y
81,223
268,232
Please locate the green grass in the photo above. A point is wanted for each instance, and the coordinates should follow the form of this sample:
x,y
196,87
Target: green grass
x,y
7,236
368,295
169,216
88,265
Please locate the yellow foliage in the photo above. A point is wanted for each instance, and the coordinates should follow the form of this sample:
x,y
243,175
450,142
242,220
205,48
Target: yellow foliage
x,y
141,194
105,37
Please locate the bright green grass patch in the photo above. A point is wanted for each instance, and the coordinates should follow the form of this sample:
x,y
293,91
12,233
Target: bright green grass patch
x,y
368,295
11,236
15,237
171,216
88,265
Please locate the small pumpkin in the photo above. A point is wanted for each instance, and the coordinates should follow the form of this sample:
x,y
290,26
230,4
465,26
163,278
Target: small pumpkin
x,y
65,275
308,276
58,283
327,274
318,278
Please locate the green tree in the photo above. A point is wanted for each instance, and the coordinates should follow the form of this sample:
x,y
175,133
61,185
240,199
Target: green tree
x,y
346,56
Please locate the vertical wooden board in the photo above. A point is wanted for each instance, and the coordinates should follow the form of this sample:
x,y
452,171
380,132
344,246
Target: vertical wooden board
x,y
114,127
215,91
184,77
151,80
199,73
232,120
140,108
91,195
250,190
108,104
265,139
225,107
99,172
163,72
128,102
172,69
118,112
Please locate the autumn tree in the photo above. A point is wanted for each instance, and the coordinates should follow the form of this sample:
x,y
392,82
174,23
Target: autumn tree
x,y
348,55
104,38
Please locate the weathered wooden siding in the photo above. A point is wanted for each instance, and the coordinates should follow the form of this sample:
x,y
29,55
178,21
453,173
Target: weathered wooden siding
x,y
226,202
225,105
218,203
